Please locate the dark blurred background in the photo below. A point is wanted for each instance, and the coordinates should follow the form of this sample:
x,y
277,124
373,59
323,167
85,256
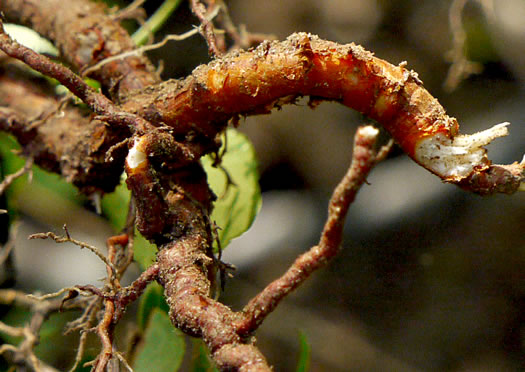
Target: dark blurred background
x,y
430,278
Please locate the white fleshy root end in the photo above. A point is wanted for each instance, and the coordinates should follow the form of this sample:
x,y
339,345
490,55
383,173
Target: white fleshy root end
x,y
456,158
135,157
369,131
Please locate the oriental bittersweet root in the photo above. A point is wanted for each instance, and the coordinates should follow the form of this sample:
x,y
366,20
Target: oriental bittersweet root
x,y
170,125
275,73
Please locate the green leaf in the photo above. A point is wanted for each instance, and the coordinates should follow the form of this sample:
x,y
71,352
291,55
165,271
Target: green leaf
x,y
115,205
237,204
200,359
151,299
54,193
303,365
144,252
163,347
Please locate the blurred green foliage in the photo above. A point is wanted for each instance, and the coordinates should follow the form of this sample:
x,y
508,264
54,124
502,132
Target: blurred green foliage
x,y
163,346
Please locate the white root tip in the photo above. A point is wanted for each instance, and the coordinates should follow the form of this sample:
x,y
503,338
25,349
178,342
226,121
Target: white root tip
x,y
456,158
369,131
135,156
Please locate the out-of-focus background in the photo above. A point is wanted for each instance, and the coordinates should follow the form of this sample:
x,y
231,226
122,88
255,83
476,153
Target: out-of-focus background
x,y
429,278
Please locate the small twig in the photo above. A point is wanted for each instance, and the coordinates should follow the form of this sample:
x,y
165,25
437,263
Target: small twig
x,y
84,324
132,11
123,360
40,310
114,257
133,6
132,292
11,331
461,67
80,351
14,297
113,296
115,299
96,101
9,179
364,158
145,48
206,28
126,258
105,333
139,51
225,20
47,67
7,347
114,304
57,294
68,239
109,153
23,353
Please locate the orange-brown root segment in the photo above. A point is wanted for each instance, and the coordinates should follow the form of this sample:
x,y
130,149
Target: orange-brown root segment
x,y
253,82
